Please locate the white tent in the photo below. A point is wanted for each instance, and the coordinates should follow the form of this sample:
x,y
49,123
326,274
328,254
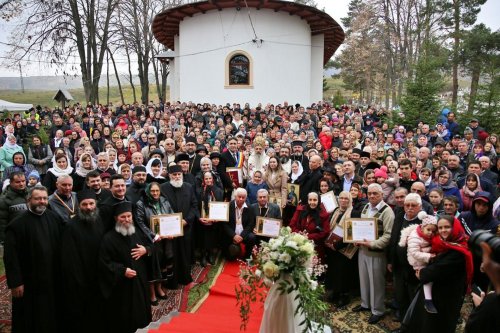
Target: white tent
x,y
9,106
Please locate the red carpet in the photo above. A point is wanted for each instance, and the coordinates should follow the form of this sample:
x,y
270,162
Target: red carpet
x,y
219,313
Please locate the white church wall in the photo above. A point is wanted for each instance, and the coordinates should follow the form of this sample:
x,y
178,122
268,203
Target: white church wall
x,y
282,63
317,55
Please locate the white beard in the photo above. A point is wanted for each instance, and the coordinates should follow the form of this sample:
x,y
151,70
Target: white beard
x,y
125,231
177,183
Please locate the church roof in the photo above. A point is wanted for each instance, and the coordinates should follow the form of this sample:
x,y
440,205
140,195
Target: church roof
x,y
166,23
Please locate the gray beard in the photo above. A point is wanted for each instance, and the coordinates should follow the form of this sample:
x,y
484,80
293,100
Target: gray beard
x,y
125,231
177,183
90,218
284,159
38,209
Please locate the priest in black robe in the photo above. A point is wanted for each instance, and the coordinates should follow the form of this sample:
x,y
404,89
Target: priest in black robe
x,y
80,245
182,199
32,261
123,275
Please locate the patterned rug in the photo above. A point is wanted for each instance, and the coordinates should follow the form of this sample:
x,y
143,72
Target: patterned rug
x,y
177,300
346,321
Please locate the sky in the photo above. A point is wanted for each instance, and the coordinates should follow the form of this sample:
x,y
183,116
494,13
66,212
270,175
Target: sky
x,y
335,8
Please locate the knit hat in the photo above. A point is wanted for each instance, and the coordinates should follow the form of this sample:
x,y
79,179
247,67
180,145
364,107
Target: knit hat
x,y
381,173
34,174
427,219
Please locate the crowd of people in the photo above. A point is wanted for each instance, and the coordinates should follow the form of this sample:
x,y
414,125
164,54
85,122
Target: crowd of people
x,y
81,254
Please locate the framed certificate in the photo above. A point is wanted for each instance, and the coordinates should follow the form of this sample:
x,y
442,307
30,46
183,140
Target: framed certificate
x,y
167,225
358,230
268,227
293,194
329,201
218,211
236,175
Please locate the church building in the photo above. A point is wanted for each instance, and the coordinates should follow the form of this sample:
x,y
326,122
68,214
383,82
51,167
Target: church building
x,y
256,51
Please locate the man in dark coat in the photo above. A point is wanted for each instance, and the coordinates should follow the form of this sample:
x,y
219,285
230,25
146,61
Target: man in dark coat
x,y
93,181
240,227
182,198
187,176
123,274
311,180
80,245
12,201
136,188
32,245
118,190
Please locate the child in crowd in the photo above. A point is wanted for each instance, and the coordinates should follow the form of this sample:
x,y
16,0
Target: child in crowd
x,y
33,179
418,239
388,183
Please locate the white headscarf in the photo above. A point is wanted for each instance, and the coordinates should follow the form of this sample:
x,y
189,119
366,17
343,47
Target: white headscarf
x,y
149,170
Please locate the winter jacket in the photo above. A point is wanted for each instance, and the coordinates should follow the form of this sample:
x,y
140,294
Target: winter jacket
x,y
12,204
418,249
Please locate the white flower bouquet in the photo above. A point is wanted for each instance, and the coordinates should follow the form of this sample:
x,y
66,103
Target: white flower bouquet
x,y
290,264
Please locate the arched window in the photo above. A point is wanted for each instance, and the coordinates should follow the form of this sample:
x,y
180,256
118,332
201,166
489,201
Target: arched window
x,y
239,70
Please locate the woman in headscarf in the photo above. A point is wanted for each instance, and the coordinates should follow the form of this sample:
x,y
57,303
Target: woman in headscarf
x,y
451,274
84,165
445,182
297,174
207,231
19,164
161,255
7,152
341,267
471,187
313,219
61,167
154,169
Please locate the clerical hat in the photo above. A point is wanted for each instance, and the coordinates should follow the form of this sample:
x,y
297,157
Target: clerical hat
x,y
297,143
122,207
191,139
86,194
139,168
364,154
181,157
174,169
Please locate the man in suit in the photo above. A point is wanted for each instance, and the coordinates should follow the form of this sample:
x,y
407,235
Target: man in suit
x,y
239,230
311,181
232,156
182,198
264,208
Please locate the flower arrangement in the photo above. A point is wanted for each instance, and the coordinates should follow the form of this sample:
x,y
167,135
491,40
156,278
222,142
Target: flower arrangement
x,y
290,261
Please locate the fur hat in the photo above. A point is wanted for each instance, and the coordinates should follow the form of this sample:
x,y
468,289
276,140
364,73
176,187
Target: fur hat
x,y
427,219
381,173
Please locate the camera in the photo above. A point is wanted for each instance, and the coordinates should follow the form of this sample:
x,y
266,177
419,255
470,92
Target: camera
x,y
492,240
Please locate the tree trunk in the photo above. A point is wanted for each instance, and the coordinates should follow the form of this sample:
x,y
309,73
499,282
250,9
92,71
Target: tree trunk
x,y
456,38
157,79
164,74
474,84
117,77
107,78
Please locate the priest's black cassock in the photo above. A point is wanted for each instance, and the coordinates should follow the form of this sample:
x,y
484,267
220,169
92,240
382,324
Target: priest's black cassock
x,y
106,211
182,200
83,300
127,305
32,259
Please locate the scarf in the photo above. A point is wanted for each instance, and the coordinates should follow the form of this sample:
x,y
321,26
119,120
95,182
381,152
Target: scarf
x,y
457,241
206,196
56,171
80,170
471,193
421,235
149,170
295,176
339,216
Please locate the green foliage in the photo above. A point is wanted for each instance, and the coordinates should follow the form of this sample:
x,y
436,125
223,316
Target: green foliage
x,y
420,102
488,102
325,84
338,99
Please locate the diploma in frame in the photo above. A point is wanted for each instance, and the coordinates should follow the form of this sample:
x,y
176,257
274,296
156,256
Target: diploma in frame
x,y
268,227
236,175
167,225
358,230
218,211
329,201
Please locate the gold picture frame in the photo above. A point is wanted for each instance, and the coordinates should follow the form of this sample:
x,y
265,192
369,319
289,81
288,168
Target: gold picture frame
x,y
273,224
292,194
167,225
215,207
357,230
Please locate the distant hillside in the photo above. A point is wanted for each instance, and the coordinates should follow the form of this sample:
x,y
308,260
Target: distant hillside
x,y
53,83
